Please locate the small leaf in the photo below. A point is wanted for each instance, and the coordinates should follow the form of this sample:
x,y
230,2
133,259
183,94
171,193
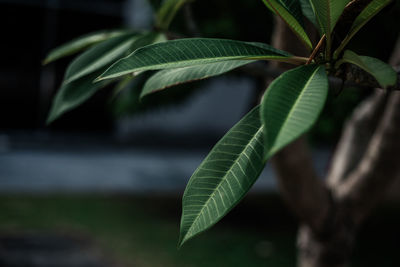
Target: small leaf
x,y
291,105
382,72
80,43
368,13
328,12
308,11
73,94
191,52
170,77
167,12
290,12
224,177
99,56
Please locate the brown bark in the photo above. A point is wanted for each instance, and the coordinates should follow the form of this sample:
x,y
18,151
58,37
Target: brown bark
x,y
363,169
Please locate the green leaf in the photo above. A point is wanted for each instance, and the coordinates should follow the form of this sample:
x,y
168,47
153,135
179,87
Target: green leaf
x,y
170,77
291,105
328,12
167,12
290,12
99,56
80,43
308,11
73,94
382,72
224,177
191,52
368,13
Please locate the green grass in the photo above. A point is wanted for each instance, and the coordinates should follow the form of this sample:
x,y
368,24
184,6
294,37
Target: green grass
x,y
144,231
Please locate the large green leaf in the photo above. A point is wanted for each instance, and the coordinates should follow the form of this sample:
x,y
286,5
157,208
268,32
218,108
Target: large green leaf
x,y
290,12
170,77
382,72
99,56
368,13
80,43
167,12
308,11
224,177
191,52
73,94
291,105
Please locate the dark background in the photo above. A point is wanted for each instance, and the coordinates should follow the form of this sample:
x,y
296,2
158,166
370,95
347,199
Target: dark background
x,y
136,228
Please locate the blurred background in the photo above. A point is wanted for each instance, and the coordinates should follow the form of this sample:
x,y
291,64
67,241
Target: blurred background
x,y
102,185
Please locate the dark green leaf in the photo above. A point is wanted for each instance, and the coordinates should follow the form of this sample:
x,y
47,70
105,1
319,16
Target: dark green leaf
x,y
308,11
170,77
328,12
99,56
290,12
73,94
80,43
167,12
224,177
291,105
368,13
191,52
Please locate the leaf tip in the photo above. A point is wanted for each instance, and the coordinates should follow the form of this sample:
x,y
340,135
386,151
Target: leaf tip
x,y
98,79
51,118
45,61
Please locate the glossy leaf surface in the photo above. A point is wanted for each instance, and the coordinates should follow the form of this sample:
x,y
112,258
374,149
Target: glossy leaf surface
x,y
191,52
170,77
291,105
224,177
290,12
327,13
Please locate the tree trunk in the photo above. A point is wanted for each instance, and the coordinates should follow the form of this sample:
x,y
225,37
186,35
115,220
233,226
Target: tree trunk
x,y
363,168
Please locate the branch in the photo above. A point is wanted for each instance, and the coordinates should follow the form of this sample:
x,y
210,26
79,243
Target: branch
x,y
300,186
357,134
359,188
367,184
298,182
359,78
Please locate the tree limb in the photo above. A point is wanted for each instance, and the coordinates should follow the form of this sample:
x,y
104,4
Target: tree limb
x,y
368,183
298,182
357,133
300,186
367,160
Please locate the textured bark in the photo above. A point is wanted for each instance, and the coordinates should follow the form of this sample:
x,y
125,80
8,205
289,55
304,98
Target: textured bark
x,y
367,184
357,134
362,170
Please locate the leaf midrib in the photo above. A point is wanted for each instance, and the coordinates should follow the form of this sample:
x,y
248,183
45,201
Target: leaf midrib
x,y
189,63
221,182
271,152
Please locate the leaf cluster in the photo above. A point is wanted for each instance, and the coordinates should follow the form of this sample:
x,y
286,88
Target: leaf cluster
x,y
289,108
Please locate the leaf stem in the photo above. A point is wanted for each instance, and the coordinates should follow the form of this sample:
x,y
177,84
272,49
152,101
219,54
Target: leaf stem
x,y
316,49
